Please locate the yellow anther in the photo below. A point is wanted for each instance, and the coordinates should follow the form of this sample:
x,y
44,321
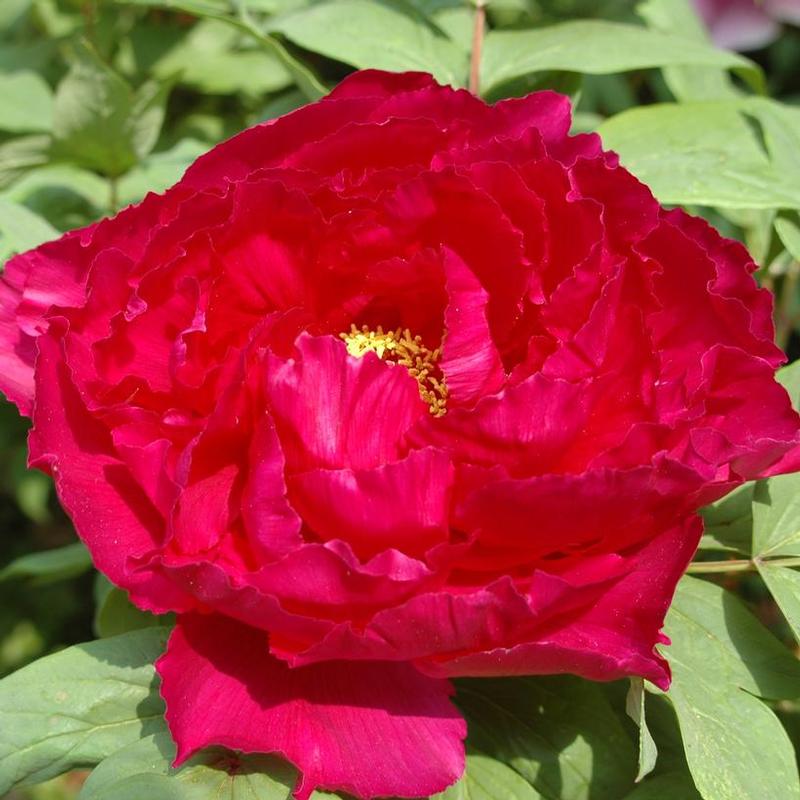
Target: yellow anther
x,y
400,347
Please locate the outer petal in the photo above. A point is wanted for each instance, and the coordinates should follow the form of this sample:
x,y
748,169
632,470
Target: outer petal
x,y
372,728
601,509
615,637
379,84
30,284
17,349
112,514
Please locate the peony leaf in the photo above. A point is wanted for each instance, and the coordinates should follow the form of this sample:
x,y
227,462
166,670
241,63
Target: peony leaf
x,y
720,631
365,34
99,122
789,378
27,103
705,153
62,191
210,60
488,779
780,127
115,614
11,12
789,234
776,516
784,584
559,733
635,708
598,48
21,154
679,17
721,657
78,706
728,523
200,8
223,10
671,779
159,171
21,229
50,565
670,786
146,785
213,773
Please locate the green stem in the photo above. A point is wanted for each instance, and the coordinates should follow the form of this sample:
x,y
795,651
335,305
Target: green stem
x,y
89,9
741,565
477,46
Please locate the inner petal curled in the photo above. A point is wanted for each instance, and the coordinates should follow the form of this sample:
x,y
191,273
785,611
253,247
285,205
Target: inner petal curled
x,y
399,346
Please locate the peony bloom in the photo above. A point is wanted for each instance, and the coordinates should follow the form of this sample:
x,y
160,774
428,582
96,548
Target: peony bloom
x,y
396,388
746,24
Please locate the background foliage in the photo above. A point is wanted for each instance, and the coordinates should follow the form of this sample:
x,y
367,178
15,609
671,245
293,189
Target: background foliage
x,y
105,100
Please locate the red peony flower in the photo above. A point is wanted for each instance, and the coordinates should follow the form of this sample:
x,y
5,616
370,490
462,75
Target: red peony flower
x,y
396,388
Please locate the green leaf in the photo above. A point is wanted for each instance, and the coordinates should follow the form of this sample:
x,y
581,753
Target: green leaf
x,y
718,631
50,565
784,585
54,185
21,229
305,78
367,34
670,786
116,614
789,378
152,787
634,706
27,103
33,54
780,126
78,706
20,155
721,656
159,171
12,11
488,779
210,60
99,122
200,8
218,773
559,733
598,48
701,153
280,105
728,523
789,234
776,516
213,773
678,17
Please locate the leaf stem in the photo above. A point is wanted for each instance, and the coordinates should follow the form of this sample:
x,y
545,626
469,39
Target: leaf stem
x,y
741,565
477,46
89,9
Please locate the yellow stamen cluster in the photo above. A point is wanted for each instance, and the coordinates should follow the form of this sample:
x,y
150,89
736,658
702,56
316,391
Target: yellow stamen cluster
x,y
400,347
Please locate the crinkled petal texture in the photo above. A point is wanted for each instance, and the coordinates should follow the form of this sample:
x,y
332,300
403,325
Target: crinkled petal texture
x,y
397,388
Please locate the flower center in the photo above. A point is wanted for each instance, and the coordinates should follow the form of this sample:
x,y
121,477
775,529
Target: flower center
x,y
400,347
